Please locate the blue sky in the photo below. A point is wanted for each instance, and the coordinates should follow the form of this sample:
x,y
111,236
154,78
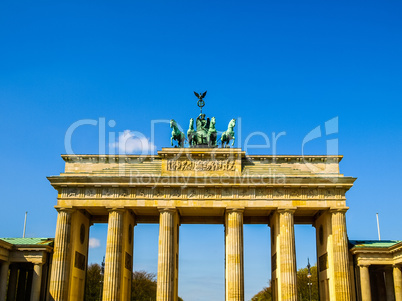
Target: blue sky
x,y
278,66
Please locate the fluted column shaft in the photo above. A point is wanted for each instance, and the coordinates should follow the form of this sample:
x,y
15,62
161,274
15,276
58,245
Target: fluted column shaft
x,y
365,282
234,262
61,261
287,249
36,282
112,275
166,255
389,285
340,256
397,283
3,279
12,282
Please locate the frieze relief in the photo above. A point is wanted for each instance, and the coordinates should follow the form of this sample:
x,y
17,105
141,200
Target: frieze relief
x,y
192,192
245,193
209,193
108,192
312,193
175,192
124,192
142,193
295,194
260,193
73,192
203,192
158,192
279,193
201,165
90,192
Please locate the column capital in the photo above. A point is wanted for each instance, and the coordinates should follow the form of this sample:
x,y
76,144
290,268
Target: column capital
x,y
286,209
235,209
363,265
397,266
65,209
116,209
167,209
340,210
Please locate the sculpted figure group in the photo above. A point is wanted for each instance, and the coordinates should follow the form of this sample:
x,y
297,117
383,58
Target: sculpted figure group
x,y
205,135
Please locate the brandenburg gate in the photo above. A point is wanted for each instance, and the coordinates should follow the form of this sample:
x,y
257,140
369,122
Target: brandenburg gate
x,y
200,186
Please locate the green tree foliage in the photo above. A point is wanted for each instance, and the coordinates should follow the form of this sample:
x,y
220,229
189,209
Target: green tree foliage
x,y
143,286
264,295
93,283
302,287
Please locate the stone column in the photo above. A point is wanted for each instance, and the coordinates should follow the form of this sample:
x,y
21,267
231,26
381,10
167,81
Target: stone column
x,y
287,258
389,285
397,283
12,282
3,279
36,282
365,282
61,256
234,265
113,268
166,255
340,251
22,277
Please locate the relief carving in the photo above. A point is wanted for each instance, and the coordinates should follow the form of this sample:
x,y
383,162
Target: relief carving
x,y
200,165
227,192
295,193
124,192
158,192
329,193
260,192
72,192
312,193
90,192
192,193
175,192
209,193
141,192
107,192
243,192
279,193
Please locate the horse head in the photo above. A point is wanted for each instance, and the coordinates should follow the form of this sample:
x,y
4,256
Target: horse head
x,y
213,121
172,123
232,123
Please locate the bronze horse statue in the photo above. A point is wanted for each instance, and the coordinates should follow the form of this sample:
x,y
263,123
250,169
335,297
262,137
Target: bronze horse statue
x,y
228,134
176,134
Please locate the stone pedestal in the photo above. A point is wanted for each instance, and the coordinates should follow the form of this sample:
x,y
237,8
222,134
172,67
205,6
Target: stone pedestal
x,y
397,283
36,282
167,255
112,276
365,282
3,279
340,256
61,259
234,255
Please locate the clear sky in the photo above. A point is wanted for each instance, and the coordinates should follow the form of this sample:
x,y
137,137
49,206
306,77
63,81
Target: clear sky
x,y
276,66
